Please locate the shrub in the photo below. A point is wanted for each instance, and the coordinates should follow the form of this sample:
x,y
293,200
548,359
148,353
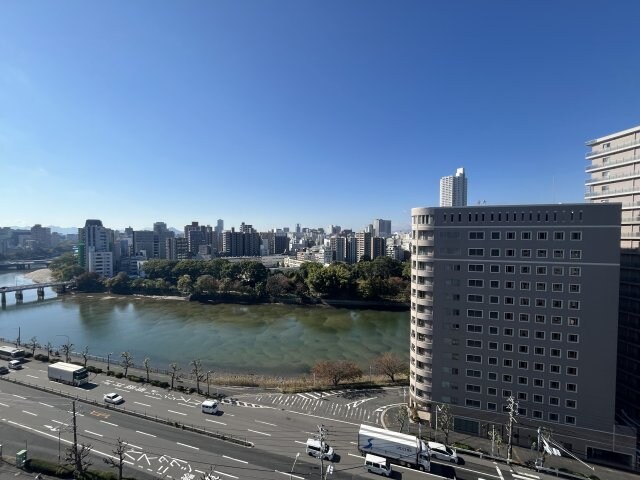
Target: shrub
x,y
93,369
48,468
135,378
110,373
40,357
119,375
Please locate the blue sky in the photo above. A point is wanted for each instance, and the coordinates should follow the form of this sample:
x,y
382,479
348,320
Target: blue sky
x,y
279,112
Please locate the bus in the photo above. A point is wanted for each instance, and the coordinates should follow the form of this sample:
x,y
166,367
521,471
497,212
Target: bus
x,y
11,353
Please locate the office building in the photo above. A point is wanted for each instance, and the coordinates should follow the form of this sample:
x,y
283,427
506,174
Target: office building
x,y
382,228
95,248
41,236
628,376
363,240
378,247
453,190
513,301
614,171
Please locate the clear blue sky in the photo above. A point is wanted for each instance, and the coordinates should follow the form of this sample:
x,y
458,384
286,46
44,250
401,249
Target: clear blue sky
x,y
279,112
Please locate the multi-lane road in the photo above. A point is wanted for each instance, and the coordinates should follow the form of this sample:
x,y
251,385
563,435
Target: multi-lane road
x,y
276,425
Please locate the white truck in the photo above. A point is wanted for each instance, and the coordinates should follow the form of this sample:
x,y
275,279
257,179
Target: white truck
x,y
399,448
68,373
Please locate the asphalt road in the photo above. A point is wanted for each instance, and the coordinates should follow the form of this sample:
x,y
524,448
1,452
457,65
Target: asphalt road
x,y
277,425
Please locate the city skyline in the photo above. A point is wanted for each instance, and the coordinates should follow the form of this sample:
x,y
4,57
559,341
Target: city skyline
x,y
295,113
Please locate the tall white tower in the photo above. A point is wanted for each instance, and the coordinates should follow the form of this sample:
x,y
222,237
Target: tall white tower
x,y
453,190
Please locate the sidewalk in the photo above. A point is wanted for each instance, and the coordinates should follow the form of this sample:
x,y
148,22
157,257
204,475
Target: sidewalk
x,y
520,456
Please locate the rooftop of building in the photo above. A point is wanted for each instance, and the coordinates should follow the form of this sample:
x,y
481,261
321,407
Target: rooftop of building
x,y
612,136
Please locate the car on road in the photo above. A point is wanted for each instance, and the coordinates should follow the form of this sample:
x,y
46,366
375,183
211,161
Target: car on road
x,y
15,364
4,370
210,406
113,398
442,452
318,449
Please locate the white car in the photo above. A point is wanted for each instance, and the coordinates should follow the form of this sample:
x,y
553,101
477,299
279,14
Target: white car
x,y
113,398
442,452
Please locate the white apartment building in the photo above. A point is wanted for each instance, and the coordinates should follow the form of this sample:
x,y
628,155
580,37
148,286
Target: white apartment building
x,y
453,190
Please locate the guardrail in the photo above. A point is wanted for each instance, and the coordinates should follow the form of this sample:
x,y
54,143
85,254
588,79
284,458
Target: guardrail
x,y
166,421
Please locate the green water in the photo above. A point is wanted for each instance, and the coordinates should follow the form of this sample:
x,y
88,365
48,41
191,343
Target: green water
x,y
261,339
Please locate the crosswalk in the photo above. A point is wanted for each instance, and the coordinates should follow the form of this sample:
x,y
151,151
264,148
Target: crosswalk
x,y
515,475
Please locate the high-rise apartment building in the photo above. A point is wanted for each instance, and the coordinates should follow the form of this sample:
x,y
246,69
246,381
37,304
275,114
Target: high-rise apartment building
x,y
614,177
41,236
363,240
95,248
513,301
382,228
453,190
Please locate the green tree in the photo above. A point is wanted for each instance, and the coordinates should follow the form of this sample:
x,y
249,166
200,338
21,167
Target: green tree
x,y
252,273
127,361
185,284
156,268
206,285
278,285
89,282
120,284
337,371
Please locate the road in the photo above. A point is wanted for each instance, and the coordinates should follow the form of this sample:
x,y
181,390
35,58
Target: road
x,y
277,425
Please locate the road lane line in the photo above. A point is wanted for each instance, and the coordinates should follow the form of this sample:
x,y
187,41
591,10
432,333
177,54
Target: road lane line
x,y
147,434
4,404
499,473
133,446
357,456
46,404
30,413
301,443
61,423
179,413
227,475
18,396
94,433
32,376
261,433
235,459
188,446
289,474
109,423
143,404
187,405
266,423
213,421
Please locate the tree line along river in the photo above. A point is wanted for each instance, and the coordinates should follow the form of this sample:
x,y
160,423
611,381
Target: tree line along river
x,y
262,339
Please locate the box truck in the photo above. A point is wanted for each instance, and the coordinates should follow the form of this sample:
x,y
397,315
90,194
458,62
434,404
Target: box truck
x,y
68,373
398,448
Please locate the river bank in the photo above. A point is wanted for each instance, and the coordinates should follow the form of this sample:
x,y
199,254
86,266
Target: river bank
x,y
42,275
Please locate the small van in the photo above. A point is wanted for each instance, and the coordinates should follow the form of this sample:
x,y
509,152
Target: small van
x,y
375,464
314,448
442,452
15,364
210,406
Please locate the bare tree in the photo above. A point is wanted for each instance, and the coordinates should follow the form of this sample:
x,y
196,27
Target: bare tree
x,y
66,349
175,373
85,355
196,370
118,461
147,366
445,421
336,371
33,343
127,361
496,439
390,365
78,458
49,348
402,416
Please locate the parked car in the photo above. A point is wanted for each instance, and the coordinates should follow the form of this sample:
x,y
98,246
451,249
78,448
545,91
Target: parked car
x,y
113,398
4,370
442,452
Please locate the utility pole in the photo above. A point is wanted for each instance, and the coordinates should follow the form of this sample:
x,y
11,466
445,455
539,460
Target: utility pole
x,y
493,437
321,431
512,407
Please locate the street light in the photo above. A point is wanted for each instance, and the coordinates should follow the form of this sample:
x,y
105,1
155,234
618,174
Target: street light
x,y
109,361
294,464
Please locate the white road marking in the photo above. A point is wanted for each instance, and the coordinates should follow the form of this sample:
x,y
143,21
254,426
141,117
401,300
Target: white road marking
x,y
132,445
32,376
301,443
109,423
235,459
227,475
94,433
143,404
289,474
521,477
261,433
46,404
147,434
18,396
266,423
179,413
499,473
188,446
213,421
187,405
30,413
61,423
358,456
4,404
529,475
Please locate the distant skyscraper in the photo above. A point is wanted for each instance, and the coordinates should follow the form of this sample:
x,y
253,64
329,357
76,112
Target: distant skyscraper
x,y
219,226
453,190
94,248
382,228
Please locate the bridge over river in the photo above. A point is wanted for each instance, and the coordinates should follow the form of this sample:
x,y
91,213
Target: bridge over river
x,y
59,287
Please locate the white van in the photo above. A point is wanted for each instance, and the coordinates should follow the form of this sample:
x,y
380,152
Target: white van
x,y
15,364
442,452
314,448
210,406
375,464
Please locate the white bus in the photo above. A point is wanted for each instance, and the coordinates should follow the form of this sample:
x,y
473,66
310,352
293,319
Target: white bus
x,y
11,353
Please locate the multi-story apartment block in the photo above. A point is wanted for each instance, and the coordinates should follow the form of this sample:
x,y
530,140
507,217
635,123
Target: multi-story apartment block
x,y
95,248
339,247
628,379
614,176
453,190
363,240
378,247
145,241
41,235
514,301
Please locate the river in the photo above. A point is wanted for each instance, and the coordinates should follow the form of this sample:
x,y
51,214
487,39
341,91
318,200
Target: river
x,y
261,339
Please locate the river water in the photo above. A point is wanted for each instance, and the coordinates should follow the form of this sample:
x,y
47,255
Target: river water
x,y
261,339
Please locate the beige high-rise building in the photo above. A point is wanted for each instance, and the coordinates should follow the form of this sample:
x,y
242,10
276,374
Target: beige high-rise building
x,y
614,177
